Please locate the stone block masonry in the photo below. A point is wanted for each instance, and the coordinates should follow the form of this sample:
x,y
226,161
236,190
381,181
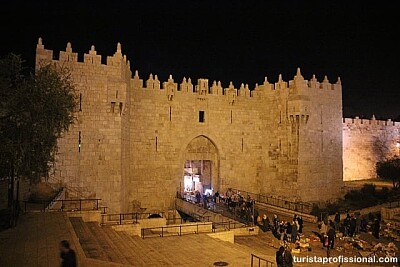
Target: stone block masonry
x,y
365,142
132,137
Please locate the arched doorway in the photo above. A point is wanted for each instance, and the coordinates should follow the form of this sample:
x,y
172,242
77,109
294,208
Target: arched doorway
x,y
200,167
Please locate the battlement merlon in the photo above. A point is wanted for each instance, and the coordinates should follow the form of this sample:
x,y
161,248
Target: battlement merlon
x,y
368,122
43,56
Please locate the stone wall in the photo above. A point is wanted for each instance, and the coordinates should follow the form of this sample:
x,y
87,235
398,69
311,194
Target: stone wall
x,y
132,137
365,142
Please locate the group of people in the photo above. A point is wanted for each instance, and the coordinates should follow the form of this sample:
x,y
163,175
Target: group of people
x,y
288,231
327,233
353,224
350,226
238,204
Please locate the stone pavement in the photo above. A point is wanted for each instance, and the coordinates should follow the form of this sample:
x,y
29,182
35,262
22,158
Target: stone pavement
x,y
34,242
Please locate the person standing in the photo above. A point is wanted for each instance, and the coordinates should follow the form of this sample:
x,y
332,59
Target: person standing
x,y
323,230
67,255
358,224
300,222
198,197
287,258
375,228
337,221
279,256
352,228
276,222
294,232
331,237
289,227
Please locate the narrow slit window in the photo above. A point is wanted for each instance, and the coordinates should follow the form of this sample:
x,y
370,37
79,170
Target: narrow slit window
x,y
79,141
321,114
120,108
231,116
80,102
156,143
170,113
112,107
201,116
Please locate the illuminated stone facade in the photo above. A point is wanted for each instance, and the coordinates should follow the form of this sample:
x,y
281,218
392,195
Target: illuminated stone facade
x,y
133,136
365,142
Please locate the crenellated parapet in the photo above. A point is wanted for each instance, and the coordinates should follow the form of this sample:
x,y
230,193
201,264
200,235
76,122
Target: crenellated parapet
x,y
44,56
369,122
298,85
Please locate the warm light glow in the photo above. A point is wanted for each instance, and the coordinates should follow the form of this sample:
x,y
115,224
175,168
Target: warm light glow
x,y
398,144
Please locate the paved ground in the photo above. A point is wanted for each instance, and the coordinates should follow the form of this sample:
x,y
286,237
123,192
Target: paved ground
x,y
34,242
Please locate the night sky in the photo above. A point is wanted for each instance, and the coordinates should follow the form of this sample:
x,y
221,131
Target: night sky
x,y
238,41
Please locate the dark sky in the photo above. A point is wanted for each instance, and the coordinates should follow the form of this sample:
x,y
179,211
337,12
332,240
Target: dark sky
x,y
239,41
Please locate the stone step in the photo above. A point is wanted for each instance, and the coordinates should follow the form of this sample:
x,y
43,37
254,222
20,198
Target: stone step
x,y
154,257
110,249
136,250
88,242
125,246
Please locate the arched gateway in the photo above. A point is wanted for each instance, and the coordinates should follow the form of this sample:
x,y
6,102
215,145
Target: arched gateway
x,y
200,169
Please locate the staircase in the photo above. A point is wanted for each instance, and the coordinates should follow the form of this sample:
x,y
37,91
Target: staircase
x,y
105,244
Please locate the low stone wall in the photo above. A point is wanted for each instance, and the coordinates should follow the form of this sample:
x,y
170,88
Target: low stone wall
x,y
246,231
228,236
152,222
87,216
131,229
390,213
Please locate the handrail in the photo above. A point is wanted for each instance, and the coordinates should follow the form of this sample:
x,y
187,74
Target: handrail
x,y
54,200
197,217
180,226
232,216
45,204
260,260
122,218
278,202
230,225
393,204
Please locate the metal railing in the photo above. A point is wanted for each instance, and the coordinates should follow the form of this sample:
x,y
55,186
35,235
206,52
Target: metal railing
x,y
260,262
66,205
162,230
126,218
278,202
228,225
223,209
393,204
